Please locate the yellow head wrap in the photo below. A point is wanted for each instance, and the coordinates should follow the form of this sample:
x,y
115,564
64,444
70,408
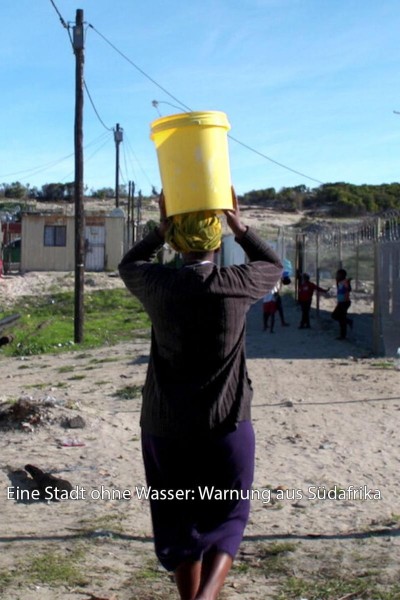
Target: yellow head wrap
x,y
195,232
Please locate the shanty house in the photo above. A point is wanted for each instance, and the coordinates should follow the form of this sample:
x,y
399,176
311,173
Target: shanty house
x,y
48,241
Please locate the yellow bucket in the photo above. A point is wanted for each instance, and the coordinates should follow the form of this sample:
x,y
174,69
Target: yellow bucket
x,y
193,158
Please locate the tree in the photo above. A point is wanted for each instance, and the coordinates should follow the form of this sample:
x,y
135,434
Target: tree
x,y
103,193
58,191
15,190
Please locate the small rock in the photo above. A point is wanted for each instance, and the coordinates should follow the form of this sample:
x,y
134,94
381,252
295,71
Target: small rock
x,y
288,403
326,446
50,487
299,505
282,488
76,422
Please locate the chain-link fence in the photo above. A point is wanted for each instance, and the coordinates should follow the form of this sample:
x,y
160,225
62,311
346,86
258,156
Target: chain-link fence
x,y
387,298
370,253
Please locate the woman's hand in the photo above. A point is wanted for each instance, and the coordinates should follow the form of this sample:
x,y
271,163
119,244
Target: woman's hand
x,y
164,220
233,217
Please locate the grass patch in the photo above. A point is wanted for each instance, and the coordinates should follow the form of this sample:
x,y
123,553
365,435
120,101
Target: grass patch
x,y
273,558
149,582
384,364
335,587
395,517
10,401
109,359
150,571
38,386
66,369
128,392
47,322
110,523
277,548
56,568
6,579
241,567
267,559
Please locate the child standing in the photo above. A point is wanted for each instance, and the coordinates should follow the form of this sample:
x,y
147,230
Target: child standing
x,y
270,306
305,296
343,289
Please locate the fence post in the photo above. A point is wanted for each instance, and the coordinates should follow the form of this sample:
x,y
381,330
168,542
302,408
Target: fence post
x,y
357,274
377,341
340,248
317,268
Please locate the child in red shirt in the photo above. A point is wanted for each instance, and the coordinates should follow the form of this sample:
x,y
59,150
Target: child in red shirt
x,y
305,295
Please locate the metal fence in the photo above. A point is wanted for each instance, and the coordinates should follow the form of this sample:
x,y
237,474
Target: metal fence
x,y
369,250
387,298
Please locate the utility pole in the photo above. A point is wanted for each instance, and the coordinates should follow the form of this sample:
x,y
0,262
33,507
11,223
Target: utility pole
x,y
138,215
118,137
78,44
133,209
131,217
128,230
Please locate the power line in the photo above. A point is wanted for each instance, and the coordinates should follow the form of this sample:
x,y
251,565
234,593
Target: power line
x,y
35,170
138,161
88,158
139,69
156,102
273,161
95,109
63,23
126,165
40,168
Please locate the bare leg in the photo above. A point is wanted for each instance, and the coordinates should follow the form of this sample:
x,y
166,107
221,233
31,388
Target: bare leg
x,y
215,569
187,579
272,322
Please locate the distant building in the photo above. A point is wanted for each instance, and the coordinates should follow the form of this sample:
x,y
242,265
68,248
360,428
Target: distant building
x,y
48,241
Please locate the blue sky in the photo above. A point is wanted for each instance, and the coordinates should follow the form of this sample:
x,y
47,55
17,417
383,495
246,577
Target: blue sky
x,y
311,84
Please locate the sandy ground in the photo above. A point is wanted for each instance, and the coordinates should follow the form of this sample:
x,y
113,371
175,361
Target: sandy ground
x,y
326,416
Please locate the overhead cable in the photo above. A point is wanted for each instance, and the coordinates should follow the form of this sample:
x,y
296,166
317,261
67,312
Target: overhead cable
x,y
139,69
274,161
138,161
156,102
63,23
40,168
87,159
95,109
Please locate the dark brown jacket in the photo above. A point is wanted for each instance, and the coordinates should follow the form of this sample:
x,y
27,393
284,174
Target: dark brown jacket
x,y
197,379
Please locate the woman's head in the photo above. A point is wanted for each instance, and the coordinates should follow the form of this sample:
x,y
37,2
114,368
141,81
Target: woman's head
x,y
195,232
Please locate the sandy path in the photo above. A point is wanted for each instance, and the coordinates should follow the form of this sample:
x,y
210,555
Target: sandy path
x,y
326,414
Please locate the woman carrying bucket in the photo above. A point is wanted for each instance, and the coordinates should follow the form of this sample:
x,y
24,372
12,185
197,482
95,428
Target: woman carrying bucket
x,y
197,437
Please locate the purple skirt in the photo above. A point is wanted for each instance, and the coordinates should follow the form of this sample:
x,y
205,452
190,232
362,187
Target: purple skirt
x,y
199,492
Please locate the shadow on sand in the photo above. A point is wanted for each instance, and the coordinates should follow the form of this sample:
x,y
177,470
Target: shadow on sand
x,y
318,342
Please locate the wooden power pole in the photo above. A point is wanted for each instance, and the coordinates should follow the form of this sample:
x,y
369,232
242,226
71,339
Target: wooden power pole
x,y
118,137
78,44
